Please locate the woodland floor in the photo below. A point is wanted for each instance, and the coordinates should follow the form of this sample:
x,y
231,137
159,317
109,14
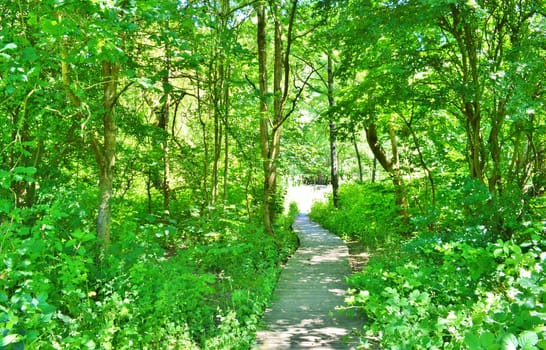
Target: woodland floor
x,y
304,312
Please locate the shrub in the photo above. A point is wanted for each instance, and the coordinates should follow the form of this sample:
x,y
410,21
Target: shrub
x,y
154,290
454,295
366,212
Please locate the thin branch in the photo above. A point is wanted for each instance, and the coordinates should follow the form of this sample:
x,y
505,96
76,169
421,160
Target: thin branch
x,y
251,83
289,41
118,95
294,101
315,70
304,34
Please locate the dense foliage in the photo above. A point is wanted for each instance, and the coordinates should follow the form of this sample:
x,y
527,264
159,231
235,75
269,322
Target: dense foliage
x,y
448,97
453,285
165,285
145,147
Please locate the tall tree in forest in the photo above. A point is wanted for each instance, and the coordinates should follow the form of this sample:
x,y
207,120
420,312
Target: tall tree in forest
x,y
103,140
497,59
480,61
21,89
105,151
477,62
333,133
271,122
219,86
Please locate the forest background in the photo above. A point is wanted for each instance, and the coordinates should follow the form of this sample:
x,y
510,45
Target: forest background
x,y
147,145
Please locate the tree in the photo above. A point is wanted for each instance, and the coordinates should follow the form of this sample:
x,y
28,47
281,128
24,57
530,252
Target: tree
x,y
271,122
108,61
475,61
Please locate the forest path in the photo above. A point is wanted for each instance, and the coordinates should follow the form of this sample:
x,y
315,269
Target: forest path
x,y
303,312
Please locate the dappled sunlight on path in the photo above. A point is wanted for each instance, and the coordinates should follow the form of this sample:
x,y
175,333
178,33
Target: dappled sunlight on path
x,y
304,314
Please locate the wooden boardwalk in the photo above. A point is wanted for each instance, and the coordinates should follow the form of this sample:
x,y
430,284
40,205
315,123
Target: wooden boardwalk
x,y
303,313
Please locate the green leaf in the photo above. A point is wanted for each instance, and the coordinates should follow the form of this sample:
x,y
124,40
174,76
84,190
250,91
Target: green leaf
x,y
50,26
472,340
487,339
480,341
10,339
10,46
25,170
30,54
528,340
510,342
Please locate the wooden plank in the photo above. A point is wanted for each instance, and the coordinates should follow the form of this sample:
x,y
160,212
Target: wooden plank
x,y
303,314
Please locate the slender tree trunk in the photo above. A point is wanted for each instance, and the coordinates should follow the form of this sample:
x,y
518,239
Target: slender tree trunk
x,y
215,82
105,153
465,36
333,135
216,154
149,189
164,126
427,170
359,160
225,74
398,181
226,128
205,161
203,124
264,118
495,180
374,169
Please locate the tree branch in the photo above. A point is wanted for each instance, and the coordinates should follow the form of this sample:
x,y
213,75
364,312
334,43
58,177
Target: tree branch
x,y
294,101
289,41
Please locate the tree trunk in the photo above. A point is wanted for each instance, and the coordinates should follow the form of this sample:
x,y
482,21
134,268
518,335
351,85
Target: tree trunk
x,y
105,154
105,151
225,80
270,140
225,120
390,166
216,154
333,136
374,169
164,116
205,174
264,118
397,179
427,170
495,180
359,159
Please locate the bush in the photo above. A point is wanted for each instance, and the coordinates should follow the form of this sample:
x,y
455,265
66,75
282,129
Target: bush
x,y
156,290
454,296
472,277
366,212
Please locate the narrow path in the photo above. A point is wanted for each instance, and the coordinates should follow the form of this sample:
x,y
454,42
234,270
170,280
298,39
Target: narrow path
x,y
303,313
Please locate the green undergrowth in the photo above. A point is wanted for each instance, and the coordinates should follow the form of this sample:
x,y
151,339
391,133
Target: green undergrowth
x,y
362,214
459,286
202,282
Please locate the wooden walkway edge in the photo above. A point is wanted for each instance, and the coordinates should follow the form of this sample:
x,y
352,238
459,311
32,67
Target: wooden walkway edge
x,y
303,313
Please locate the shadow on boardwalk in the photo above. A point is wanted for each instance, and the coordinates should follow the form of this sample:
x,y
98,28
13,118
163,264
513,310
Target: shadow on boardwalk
x,y
303,313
